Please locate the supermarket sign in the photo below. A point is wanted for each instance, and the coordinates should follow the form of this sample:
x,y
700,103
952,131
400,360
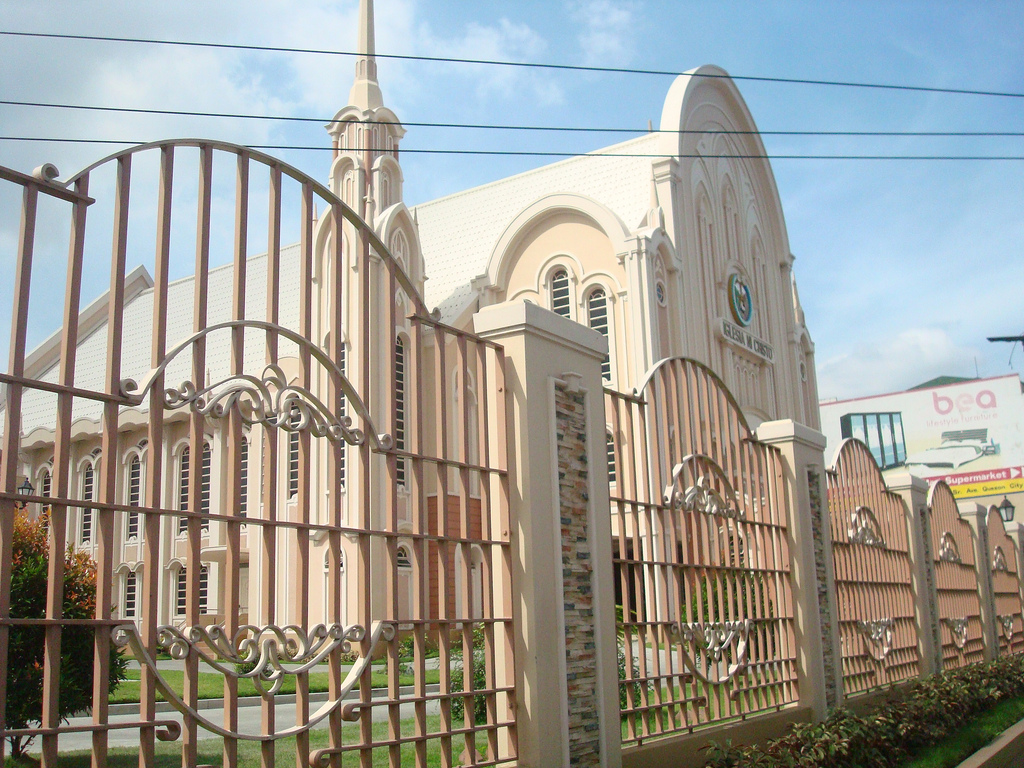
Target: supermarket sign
x,y
989,482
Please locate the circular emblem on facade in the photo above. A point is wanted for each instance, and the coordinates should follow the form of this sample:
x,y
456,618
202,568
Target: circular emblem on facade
x,y
740,301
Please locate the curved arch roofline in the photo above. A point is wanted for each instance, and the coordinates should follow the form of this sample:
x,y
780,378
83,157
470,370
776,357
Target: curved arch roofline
x,y
603,217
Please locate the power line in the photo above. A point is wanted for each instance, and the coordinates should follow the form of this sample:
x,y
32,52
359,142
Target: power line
x,y
522,64
540,153
506,127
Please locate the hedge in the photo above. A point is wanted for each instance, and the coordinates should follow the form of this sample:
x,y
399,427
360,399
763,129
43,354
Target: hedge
x,y
911,717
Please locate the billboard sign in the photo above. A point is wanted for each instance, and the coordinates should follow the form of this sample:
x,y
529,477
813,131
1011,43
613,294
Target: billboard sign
x,y
970,434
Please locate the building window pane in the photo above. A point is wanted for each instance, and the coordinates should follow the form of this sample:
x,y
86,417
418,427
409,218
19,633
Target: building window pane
x,y
134,495
181,596
204,587
560,303
88,486
400,407
597,316
403,558
293,455
612,476
130,594
243,479
183,473
342,413
204,488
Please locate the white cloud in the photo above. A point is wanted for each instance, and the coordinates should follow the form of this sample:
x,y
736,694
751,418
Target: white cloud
x,y
607,31
894,364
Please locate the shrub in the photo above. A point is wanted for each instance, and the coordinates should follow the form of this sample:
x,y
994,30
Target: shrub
x,y
479,677
912,717
30,559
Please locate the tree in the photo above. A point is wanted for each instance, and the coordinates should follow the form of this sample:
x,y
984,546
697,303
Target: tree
x,y
30,559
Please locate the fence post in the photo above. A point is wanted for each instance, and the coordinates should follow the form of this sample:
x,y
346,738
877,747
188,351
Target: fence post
x,y
914,491
563,587
819,664
977,515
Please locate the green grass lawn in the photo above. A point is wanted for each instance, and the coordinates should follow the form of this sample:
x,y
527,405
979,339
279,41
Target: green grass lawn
x,y
956,748
211,684
210,750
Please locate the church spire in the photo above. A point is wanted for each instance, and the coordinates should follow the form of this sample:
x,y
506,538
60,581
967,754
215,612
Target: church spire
x,y
365,93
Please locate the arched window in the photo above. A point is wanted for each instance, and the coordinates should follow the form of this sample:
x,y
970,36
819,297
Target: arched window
x,y
134,496
400,406
403,558
184,461
88,494
130,595
597,317
44,483
560,302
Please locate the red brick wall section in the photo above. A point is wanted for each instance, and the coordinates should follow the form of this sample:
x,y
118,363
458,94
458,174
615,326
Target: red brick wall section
x,y
577,577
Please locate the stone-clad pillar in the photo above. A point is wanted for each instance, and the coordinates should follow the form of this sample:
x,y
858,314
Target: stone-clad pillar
x,y
914,492
564,603
819,660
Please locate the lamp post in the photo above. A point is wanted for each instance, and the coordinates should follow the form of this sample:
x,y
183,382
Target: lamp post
x,y
25,489
1006,509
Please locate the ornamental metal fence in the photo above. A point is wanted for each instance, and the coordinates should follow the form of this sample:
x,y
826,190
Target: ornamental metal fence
x,y
701,556
871,555
1002,552
290,474
956,581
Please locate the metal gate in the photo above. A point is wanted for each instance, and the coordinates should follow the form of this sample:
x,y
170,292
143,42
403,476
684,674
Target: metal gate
x,y
290,474
701,556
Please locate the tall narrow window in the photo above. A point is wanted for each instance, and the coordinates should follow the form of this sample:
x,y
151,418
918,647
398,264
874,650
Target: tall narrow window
x,y
400,406
204,587
560,303
88,489
181,593
293,455
130,595
243,479
597,315
204,488
44,489
183,472
134,496
612,475
342,413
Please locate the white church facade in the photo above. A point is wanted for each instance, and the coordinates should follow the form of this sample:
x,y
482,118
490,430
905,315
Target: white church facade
x,y
670,244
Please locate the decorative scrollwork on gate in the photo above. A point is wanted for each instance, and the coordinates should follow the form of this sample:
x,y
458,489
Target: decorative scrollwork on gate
x,y
712,643
864,529
263,653
878,635
999,561
958,629
269,398
949,552
1006,623
693,488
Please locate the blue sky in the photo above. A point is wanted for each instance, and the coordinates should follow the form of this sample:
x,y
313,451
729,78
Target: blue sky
x,y
904,267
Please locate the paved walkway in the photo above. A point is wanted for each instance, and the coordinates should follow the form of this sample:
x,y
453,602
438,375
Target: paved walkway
x,y
249,713
248,720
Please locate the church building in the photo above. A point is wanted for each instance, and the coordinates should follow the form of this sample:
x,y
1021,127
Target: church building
x,y
670,244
